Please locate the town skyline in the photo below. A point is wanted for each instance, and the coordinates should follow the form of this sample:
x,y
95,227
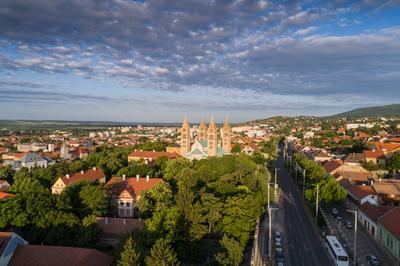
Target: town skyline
x,y
246,59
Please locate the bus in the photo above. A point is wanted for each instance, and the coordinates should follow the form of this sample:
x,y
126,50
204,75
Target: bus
x,y
336,252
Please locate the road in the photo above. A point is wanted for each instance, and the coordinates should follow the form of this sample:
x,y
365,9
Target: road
x,y
302,243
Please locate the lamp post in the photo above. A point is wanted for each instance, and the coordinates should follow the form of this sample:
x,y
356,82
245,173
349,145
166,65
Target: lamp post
x,y
276,185
316,206
269,183
355,234
304,181
270,232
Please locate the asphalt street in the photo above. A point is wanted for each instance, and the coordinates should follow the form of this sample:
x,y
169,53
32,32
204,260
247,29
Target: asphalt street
x,y
302,243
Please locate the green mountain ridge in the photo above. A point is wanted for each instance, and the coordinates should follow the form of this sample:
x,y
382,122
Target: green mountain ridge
x,y
373,111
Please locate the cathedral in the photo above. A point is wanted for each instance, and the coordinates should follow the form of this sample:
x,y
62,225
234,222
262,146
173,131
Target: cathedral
x,y
207,141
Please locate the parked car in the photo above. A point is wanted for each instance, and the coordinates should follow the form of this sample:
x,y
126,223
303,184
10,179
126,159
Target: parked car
x,y
279,258
278,247
349,225
278,237
334,211
339,217
373,260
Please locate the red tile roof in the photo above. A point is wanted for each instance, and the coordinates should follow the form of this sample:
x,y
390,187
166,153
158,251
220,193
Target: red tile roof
x,y
153,154
331,166
373,154
361,192
32,255
117,185
90,175
391,221
117,226
373,211
4,196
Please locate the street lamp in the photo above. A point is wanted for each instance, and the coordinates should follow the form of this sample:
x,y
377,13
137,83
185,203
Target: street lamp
x,y
270,230
276,185
269,183
316,206
355,234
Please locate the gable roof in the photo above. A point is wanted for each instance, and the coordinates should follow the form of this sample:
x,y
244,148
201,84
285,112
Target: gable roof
x,y
33,255
90,175
360,192
354,157
4,196
374,212
390,221
374,154
331,166
387,186
132,185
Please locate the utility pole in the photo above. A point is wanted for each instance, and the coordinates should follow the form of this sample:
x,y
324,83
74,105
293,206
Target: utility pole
x,y
304,180
316,206
270,232
355,235
276,185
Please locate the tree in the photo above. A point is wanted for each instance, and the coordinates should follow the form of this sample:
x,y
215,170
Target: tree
x,y
129,255
394,163
236,148
231,254
94,199
162,254
212,209
6,172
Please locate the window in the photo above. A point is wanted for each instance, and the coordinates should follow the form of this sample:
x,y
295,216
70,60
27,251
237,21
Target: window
x,y
121,203
128,204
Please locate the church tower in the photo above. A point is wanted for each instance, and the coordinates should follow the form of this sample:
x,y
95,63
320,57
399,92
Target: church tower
x,y
185,137
226,137
202,130
212,138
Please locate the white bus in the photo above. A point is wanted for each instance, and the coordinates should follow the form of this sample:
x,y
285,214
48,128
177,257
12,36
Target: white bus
x,y
336,252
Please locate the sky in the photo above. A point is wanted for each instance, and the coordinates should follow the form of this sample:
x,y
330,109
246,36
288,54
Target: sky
x,y
155,61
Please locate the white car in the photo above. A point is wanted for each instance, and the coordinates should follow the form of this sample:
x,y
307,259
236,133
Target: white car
x,y
278,237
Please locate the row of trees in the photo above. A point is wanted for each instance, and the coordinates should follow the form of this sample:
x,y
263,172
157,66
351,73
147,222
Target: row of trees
x,y
204,211
330,191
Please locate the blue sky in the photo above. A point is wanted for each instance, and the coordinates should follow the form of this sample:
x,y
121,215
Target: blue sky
x,y
123,60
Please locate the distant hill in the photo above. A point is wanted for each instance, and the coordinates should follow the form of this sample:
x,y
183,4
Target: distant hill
x,y
384,110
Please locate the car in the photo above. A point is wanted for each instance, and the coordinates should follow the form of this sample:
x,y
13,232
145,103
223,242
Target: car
x,y
334,211
373,260
279,258
278,237
339,217
349,225
278,247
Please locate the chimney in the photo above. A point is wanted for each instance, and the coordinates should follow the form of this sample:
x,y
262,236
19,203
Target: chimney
x,y
94,168
82,172
154,150
124,221
147,178
106,220
137,177
124,177
67,175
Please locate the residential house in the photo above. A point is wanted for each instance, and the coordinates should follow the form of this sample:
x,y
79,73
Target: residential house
x,y
320,156
360,194
249,149
374,156
388,191
354,159
352,178
91,175
15,251
368,215
332,167
125,192
149,156
387,148
389,231
5,196
4,185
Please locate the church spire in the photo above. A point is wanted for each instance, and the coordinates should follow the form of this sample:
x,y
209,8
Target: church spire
x,y
226,137
185,136
212,138
202,130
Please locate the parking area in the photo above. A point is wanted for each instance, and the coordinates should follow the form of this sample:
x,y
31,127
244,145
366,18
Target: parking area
x,y
341,224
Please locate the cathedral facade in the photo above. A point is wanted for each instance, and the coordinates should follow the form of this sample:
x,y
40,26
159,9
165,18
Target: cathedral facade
x,y
208,142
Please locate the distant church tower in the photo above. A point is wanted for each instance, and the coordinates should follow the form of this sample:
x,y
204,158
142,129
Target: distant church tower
x,y
226,137
185,137
212,138
202,130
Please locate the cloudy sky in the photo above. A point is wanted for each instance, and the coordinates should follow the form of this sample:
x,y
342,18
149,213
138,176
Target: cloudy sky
x,y
127,60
